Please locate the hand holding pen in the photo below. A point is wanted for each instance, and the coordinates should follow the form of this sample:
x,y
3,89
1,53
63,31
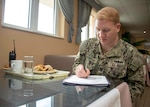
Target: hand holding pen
x,y
81,71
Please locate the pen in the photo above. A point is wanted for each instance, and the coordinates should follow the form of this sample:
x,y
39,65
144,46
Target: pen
x,y
84,68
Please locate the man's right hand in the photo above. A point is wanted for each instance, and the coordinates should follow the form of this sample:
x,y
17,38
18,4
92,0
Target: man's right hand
x,y
81,72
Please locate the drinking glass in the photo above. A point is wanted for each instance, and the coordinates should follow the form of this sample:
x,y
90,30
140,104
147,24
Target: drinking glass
x,y
28,89
28,64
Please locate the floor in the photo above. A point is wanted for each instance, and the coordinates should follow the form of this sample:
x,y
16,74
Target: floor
x,y
145,98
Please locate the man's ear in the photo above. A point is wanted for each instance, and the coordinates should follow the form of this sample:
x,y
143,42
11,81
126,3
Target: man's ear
x,y
118,27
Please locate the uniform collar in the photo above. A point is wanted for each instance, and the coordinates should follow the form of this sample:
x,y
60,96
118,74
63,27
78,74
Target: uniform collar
x,y
115,51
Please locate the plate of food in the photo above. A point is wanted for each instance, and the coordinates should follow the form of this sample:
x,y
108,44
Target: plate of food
x,y
6,68
44,69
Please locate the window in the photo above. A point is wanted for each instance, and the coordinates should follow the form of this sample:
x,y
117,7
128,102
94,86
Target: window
x,y
15,15
46,102
46,16
88,31
38,16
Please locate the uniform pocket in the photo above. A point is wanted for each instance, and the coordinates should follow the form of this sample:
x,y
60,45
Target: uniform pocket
x,y
116,69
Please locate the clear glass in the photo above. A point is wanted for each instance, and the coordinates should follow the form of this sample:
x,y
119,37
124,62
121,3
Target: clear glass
x,y
28,64
28,89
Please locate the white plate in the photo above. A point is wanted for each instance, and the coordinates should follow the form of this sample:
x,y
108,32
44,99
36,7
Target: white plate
x,y
45,72
8,69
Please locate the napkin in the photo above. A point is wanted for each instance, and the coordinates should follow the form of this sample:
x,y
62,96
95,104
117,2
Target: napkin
x,y
111,99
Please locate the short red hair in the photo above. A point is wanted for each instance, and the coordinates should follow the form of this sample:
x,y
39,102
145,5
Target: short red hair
x,y
108,13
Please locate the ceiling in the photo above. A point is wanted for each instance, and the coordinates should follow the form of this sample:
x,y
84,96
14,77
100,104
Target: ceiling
x,y
134,15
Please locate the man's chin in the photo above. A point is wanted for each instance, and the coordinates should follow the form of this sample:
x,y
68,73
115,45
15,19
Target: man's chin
x,y
103,43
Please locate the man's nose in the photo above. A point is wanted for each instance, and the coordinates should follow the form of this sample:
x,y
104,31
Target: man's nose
x,y
101,33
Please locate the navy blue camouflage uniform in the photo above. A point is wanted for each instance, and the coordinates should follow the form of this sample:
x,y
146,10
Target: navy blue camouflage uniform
x,y
123,62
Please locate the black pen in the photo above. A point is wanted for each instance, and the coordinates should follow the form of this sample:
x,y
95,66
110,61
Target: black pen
x,y
84,68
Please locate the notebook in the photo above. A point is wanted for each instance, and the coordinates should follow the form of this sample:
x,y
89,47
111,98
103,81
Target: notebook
x,y
92,80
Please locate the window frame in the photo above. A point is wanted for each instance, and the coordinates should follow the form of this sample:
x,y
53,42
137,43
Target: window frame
x,y
33,22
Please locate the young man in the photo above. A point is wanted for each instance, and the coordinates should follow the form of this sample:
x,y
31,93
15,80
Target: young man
x,y
109,55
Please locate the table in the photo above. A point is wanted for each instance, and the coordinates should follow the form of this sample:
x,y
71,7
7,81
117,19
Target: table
x,y
46,93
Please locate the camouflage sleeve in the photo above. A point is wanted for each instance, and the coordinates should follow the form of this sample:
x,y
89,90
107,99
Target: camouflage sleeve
x,y
80,58
135,75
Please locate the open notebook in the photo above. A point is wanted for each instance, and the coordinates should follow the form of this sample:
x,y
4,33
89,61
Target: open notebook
x,y
92,80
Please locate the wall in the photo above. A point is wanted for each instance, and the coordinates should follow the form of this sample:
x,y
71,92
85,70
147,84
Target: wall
x,y
142,45
133,39
28,43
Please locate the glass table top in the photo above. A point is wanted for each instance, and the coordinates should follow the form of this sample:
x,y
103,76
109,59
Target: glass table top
x,y
17,92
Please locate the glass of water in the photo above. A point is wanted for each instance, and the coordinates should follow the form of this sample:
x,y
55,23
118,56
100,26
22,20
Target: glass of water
x,y
28,89
28,64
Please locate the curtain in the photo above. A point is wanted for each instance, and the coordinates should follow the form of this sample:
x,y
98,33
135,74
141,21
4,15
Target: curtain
x,y
67,9
94,3
83,18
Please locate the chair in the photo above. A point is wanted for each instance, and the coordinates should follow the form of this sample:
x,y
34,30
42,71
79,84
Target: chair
x,y
146,69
